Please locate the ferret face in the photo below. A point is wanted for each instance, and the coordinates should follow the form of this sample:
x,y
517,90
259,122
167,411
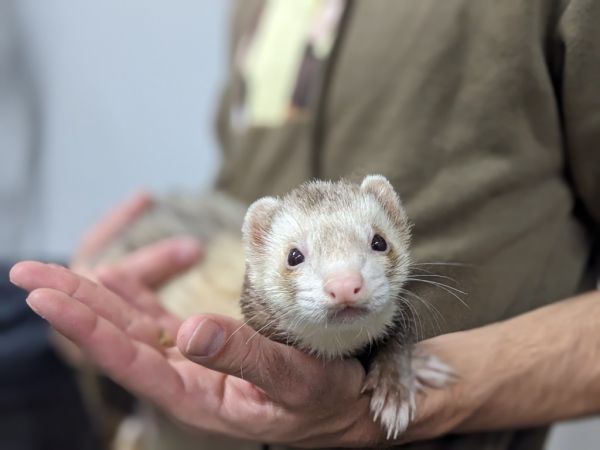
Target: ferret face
x,y
329,260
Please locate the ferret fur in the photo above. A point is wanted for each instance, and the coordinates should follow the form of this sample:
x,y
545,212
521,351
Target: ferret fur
x,y
215,282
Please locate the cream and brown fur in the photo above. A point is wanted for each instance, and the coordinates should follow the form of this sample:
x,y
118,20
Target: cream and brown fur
x,y
214,283
332,223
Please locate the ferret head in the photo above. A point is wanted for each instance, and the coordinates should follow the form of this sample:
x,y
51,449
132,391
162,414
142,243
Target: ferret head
x,y
327,263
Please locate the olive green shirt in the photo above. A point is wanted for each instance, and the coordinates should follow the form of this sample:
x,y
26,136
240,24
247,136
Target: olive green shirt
x,y
485,116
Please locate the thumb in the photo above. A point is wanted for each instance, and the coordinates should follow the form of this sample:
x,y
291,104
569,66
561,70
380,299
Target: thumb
x,y
231,347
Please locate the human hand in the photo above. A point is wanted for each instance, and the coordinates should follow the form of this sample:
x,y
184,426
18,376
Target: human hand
x,y
136,277
235,382
247,386
534,369
441,411
106,229
142,270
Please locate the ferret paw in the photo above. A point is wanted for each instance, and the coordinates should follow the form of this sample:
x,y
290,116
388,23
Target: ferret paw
x,y
392,397
394,387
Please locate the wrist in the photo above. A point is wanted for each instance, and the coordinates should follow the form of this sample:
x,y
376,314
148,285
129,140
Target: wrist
x,y
484,373
471,354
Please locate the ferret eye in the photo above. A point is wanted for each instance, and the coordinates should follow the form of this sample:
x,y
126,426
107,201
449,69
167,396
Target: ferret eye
x,y
378,244
295,257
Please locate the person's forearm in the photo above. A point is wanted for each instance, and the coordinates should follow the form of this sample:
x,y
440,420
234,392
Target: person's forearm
x,y
533,369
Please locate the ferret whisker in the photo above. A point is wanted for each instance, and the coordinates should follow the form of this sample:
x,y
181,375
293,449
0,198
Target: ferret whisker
x,y
339,343
402,311
434,275
370,340
400,314
435,316
435,313
238,329
251,337
413,268
418,321
359,332
449,289
437,283
454,264
260,329
296,323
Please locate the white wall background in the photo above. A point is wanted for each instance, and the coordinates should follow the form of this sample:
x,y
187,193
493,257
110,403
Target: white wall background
x,y
128,90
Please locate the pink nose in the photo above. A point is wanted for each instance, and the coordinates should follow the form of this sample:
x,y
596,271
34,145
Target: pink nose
x,y
345,287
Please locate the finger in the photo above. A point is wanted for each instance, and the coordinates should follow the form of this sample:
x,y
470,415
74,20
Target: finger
x,y
156,263
138,367
31,275
284,373
133,291
68,351
112,224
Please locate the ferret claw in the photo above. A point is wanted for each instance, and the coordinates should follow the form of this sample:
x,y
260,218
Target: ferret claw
x,y
394,388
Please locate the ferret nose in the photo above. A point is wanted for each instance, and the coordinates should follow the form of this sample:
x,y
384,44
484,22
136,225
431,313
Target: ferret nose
x,y
344,288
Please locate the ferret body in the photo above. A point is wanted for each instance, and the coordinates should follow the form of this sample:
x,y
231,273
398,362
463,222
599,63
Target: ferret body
x,y
215,219
325,268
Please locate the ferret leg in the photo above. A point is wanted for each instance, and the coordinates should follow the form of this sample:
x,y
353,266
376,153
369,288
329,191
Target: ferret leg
x,y
395,376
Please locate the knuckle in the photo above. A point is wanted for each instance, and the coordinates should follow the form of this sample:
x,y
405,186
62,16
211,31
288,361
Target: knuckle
x,y
81,288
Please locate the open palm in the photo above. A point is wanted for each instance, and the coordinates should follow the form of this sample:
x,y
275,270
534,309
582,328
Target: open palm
x,y
221,376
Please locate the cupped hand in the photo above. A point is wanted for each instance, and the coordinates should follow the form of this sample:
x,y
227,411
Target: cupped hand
x,y
222,376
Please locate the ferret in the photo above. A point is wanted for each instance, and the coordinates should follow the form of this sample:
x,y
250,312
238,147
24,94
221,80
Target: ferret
x,y
325,268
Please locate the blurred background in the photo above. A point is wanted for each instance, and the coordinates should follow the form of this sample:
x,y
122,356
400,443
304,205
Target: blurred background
x,y
99,99
117,95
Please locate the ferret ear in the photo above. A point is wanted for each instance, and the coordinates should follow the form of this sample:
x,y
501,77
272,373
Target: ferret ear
x,y
258,220
383,191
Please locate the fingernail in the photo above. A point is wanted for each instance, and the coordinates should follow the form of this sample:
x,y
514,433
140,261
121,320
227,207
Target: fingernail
x,y
32,301
206,339
13,275
16,283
